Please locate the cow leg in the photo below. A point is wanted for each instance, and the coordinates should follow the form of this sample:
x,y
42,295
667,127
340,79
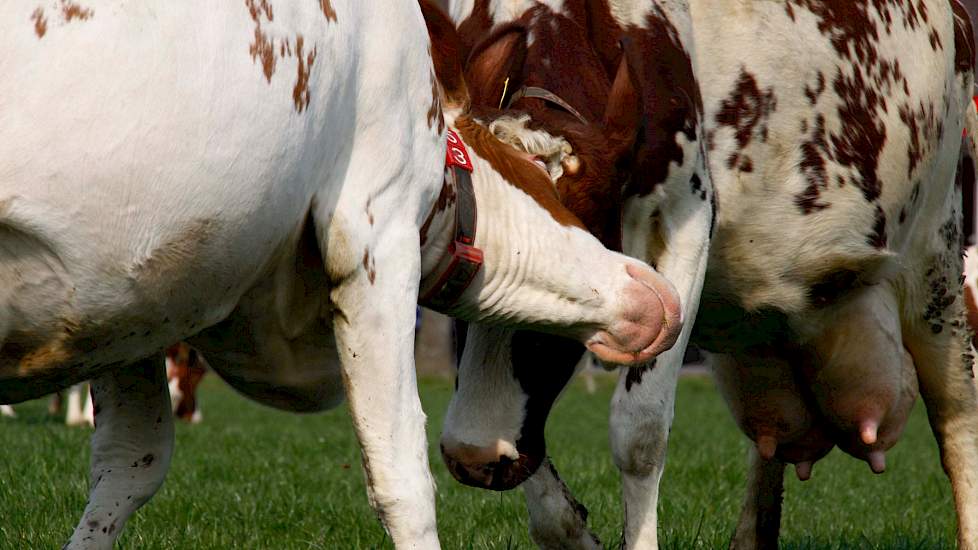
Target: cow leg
x,y
642,407
557,519
7,410
945,375
55,404
131,449
760,516
374,315
88,413
79,408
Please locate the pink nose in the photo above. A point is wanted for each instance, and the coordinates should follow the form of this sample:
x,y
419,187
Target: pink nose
x,y
648,322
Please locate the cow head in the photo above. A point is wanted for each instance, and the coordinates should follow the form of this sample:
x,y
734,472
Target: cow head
x,y
542,268
508,380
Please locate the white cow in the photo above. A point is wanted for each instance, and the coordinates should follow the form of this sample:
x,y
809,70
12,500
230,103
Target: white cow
x,y
830,131
255,177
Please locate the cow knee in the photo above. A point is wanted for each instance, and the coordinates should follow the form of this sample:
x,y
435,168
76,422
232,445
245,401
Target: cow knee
x,y
641,451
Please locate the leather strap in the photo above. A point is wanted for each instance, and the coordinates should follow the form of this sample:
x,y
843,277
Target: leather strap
x,y
463,260
533,92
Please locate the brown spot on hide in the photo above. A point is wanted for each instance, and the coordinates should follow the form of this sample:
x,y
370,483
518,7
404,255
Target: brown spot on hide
x,y
924,127
515,169
40,23
263,47
328,10
435,116
813,168
300,93
369,265
446,198
813,93
862,137
257,8
746,111
71,11
669,95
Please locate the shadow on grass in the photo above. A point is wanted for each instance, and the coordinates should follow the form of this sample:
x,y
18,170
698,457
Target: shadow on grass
x,y
891,542
33,418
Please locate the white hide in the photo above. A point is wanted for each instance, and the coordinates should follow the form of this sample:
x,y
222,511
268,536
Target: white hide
x,y
170,171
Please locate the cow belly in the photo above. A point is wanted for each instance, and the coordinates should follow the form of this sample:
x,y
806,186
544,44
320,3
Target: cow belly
x,y
277,346
295,373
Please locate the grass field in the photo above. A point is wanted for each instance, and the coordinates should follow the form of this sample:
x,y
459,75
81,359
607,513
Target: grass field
x,y
251,477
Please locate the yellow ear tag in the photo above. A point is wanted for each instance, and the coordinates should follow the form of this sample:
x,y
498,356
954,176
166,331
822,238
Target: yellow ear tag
x,y
503,97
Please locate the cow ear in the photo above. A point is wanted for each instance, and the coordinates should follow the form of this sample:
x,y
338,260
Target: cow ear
x,y
445,53
494,69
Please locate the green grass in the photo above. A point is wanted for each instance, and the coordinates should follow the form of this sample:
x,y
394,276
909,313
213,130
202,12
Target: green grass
x,y
251,477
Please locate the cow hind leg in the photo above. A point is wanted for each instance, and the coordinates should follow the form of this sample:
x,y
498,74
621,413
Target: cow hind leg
x,y
760,515
131,450
373,317
944,364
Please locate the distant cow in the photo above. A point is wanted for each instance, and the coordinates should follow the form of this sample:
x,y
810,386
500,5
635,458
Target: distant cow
x,y
268,182
185,368
830,131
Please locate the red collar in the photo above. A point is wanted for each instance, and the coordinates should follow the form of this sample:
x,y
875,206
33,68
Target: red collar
x,y
462,261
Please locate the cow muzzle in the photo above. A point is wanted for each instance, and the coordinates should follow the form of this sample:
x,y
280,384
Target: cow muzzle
x,y
647,323
499,466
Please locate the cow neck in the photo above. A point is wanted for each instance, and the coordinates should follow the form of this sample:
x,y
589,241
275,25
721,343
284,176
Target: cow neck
x,y
455,214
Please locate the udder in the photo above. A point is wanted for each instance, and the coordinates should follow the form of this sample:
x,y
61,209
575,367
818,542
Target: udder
x,y
771,409
865,383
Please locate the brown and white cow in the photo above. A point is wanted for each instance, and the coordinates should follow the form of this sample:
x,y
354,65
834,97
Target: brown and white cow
x,y
185,368
832,133
267,181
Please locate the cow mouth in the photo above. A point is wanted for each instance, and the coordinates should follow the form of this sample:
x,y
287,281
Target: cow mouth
x,y
501,475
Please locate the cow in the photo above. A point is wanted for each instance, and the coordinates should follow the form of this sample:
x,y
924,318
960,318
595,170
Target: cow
x,y
185,368
830,133
268,182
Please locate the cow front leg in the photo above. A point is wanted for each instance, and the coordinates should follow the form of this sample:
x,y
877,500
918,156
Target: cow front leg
x,y
677,243
760,515
374,315
945,374
557,519
641,415
131,449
